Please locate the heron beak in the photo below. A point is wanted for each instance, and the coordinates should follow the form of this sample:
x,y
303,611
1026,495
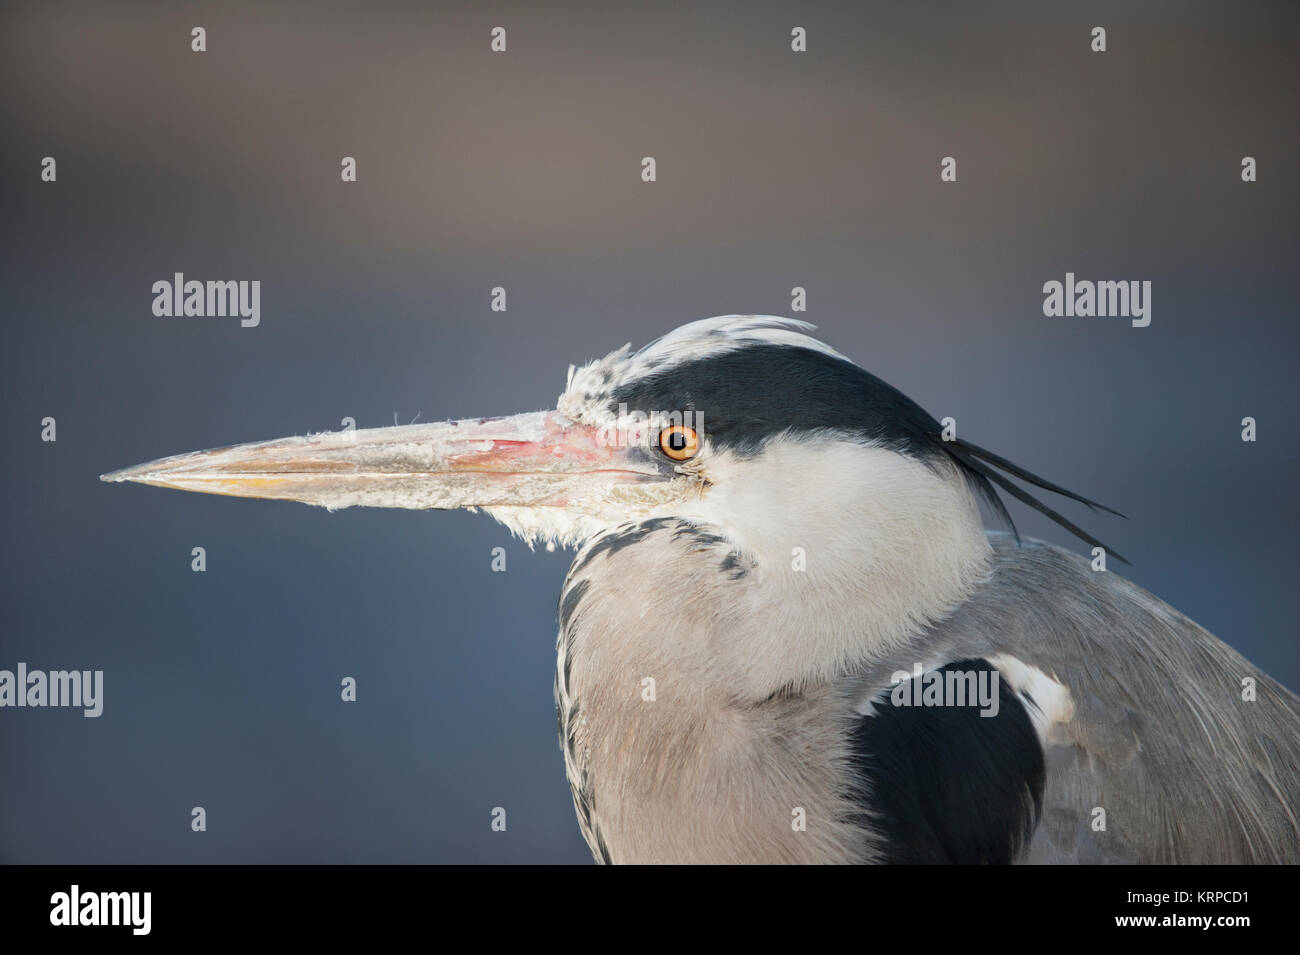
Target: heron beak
x,y
539,459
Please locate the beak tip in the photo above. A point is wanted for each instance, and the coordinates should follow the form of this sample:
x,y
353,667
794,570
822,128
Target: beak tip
x,y
118,476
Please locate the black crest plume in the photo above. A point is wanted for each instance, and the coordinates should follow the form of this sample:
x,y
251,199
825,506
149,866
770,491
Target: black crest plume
x,y
983,469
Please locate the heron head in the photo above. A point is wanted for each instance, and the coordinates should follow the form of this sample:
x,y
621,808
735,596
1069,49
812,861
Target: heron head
x,y
635,435
743,422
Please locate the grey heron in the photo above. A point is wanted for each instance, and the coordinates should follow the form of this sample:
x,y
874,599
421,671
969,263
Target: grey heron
x,y
784,604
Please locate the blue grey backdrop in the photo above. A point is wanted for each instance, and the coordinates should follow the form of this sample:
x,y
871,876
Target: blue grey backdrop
x,y
522,170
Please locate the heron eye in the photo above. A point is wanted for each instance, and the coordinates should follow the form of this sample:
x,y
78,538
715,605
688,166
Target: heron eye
x,y
679,442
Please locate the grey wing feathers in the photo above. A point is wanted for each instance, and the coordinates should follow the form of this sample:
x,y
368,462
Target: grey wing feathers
x,y
1160,758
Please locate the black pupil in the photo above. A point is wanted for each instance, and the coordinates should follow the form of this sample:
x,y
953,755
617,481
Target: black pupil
x,y
677,441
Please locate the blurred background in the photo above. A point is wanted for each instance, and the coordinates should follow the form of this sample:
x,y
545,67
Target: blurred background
x,y
522,170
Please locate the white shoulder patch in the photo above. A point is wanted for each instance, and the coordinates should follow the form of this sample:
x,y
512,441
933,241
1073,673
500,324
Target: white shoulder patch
x,y
1047,701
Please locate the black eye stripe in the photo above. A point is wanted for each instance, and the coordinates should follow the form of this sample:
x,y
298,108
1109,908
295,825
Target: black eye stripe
x,y
759,391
